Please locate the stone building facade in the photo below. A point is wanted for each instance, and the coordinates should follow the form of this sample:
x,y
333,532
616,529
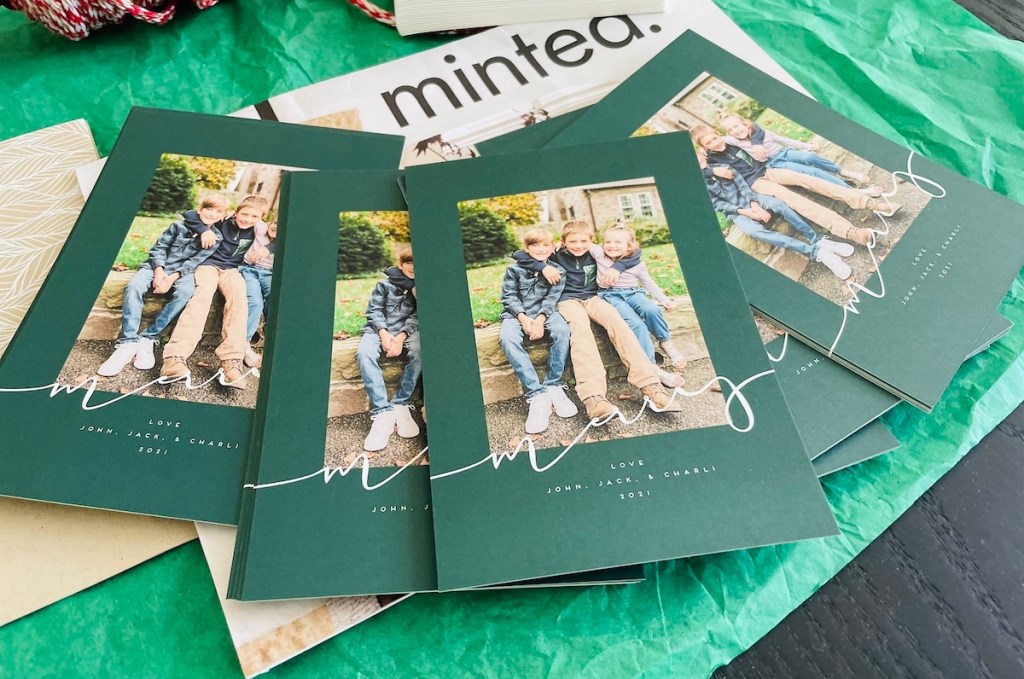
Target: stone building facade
x,y
700,104
603,204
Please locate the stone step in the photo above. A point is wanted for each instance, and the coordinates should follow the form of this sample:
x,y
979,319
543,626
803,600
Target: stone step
x,y
498,381
104,320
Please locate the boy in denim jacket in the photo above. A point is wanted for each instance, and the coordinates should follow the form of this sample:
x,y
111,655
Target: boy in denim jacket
x,y
529,301
391,328
170,268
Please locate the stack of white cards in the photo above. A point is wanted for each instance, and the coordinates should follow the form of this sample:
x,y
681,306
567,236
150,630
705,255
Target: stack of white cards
x,y
423,16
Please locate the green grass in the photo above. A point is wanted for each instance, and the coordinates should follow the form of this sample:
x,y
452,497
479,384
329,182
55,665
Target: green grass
x,y
663,264
485,291
770,120
143,233
485,282
352,294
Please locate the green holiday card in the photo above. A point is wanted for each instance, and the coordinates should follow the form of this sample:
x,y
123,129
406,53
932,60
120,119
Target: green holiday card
x,y
883,260
828,401
321,515
635,462
130,384
337,499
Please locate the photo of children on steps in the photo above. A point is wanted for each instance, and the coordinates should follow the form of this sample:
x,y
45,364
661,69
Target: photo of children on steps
x,y
375,405
587,321
786,196
182,305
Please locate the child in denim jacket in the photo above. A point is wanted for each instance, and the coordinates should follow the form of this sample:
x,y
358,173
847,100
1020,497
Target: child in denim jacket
x,y
170,268
529,301
391,328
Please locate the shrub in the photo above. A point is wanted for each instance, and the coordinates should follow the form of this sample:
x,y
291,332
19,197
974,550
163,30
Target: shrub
x,y
747,108
522,209
651,232
485,235
395,224
172,189
213,173
723,223
779,124
645,130
362,247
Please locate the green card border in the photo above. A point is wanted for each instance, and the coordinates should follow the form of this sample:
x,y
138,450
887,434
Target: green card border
x,y
314,538
804,313
459,433
46,463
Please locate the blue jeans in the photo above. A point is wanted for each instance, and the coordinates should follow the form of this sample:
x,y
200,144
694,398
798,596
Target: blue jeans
x,y
511,341
131,309
807,162
368,357
257,292
641,313
758,231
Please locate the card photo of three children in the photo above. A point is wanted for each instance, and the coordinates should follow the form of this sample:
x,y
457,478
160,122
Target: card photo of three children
x,y
799,203
201,232
587,322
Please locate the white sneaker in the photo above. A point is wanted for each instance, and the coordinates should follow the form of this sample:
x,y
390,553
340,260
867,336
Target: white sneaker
x,y
251,358
670,379
123,354
380,431
540,413
560,401
874,191
674,355
144,358
407,427
841,249
837,266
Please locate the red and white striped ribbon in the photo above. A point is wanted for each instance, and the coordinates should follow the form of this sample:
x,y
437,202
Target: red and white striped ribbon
x,y
74,19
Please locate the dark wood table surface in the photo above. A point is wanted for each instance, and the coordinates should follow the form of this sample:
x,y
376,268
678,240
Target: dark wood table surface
x,y
939,594
1006,16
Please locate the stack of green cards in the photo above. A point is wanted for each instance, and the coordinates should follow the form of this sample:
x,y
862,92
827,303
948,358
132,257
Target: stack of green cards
x,y
932,253
560,492
633,476
828,402
327,512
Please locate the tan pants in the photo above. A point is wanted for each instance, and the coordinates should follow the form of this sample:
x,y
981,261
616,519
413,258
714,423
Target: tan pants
x,y
192,321
775,181
591,379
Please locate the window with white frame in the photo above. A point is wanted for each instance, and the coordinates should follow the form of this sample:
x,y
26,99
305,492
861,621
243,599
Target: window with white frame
x,y
633,205
626,206
718,95
646,204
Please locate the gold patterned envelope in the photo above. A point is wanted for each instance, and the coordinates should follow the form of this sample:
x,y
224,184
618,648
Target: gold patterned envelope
x,y
53,551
